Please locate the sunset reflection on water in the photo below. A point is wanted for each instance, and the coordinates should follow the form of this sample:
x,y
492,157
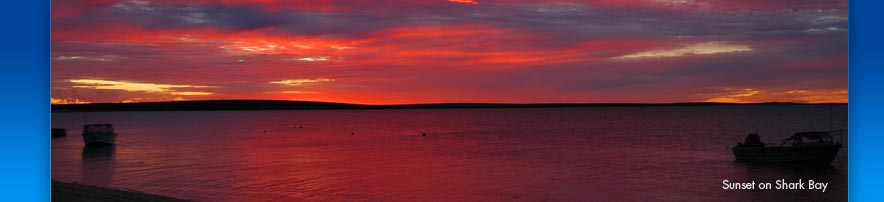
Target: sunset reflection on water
x,y
568,154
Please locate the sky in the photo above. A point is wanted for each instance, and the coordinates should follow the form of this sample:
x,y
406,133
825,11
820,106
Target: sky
x,y
433,51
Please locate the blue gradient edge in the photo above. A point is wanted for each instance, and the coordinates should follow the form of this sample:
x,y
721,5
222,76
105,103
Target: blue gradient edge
x,y
25,56
26,167
865,164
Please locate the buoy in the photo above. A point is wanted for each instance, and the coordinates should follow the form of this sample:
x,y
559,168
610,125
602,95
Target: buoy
x,y
424,134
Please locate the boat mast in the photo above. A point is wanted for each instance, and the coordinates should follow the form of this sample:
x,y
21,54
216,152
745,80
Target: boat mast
x,y
830,118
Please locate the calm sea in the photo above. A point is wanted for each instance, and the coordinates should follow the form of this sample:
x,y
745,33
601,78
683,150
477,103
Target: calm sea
x,y
553,154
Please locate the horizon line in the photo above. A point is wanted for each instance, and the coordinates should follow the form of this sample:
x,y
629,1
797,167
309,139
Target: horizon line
x,y
482,103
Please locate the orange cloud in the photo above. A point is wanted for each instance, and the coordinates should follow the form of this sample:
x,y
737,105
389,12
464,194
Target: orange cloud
x,y
137,86
298,82
465,2
749,95
66,101
713,47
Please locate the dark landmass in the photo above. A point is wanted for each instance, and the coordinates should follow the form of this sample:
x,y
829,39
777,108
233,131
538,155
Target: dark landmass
x,y
63,191
211,105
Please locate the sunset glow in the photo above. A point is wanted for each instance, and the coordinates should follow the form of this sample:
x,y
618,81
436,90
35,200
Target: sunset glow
x,y
410,51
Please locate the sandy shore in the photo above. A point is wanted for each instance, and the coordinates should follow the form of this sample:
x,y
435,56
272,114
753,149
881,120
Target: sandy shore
x,y
64,191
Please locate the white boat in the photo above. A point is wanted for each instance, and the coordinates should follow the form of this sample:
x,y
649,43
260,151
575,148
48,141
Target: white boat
x,y
816,147
99,134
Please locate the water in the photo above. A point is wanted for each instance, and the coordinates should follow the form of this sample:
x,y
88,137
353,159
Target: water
x,y
567,154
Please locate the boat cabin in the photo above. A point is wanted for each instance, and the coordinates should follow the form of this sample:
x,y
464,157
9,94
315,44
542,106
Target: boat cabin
x,y
810,137
98,128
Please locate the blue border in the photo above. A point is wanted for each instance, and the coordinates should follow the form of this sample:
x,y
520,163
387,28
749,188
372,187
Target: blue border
x,y
866,163
24,57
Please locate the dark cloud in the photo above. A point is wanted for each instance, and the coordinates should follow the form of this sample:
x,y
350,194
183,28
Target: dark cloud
x,y
194,16
569,20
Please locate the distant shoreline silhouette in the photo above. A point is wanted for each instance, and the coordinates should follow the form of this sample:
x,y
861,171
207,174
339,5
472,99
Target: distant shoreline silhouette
x,y
219,105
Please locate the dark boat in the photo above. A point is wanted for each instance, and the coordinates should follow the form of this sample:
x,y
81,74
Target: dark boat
x,y
59,132
816,147
99,134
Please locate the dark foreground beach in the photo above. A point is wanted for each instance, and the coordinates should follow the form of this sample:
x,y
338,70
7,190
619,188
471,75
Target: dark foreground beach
x,y
64,191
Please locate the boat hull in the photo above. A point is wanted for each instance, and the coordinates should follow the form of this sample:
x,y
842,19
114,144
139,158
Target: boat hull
x,y
59,132
98,139
808,154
